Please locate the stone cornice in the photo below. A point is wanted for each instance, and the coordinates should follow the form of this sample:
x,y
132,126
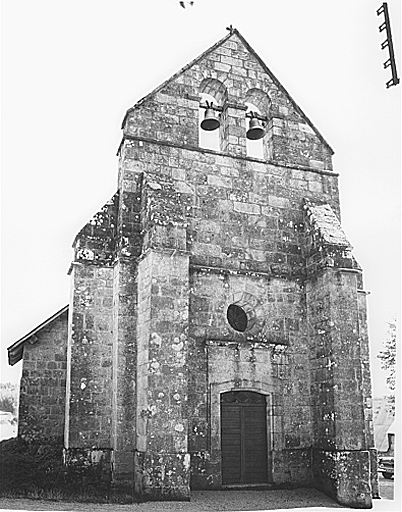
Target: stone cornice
x,y
220,153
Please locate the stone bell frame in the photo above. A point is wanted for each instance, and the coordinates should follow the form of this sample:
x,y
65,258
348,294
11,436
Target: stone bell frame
x,y
192,238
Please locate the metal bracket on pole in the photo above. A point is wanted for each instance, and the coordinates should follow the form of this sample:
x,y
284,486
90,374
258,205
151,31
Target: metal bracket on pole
x,y
388,44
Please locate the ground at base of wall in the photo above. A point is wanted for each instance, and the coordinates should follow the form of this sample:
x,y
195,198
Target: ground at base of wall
x,y
203,501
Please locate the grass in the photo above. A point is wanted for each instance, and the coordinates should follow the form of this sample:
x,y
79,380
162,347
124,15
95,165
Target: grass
x,y
66,496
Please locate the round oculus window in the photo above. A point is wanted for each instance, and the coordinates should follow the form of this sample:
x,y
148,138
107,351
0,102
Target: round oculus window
x,y
237,318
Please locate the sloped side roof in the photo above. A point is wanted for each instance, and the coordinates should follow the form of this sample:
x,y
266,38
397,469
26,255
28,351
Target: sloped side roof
x,y
260,61
280,86
15,351
98,236
101,221
173,77
324,221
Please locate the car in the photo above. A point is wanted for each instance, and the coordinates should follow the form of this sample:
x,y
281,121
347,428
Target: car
x,y
386,459
386,466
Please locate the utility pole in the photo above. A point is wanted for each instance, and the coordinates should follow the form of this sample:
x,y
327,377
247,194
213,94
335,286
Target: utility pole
x,y
388,43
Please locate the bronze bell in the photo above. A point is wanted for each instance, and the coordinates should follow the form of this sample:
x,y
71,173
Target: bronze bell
x,y
210,121
256,130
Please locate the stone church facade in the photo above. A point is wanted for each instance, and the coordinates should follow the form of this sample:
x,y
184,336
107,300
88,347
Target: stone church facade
x,y
216,334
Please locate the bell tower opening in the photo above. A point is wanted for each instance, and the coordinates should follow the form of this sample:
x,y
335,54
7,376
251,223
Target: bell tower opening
x,y
254,148
208,139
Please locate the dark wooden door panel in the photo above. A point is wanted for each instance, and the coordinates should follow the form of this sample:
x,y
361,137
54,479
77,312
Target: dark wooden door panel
x,y
244,438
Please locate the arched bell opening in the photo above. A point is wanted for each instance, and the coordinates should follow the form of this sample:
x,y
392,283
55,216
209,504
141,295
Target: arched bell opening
x,y
255,132
213,95
258,105
209,132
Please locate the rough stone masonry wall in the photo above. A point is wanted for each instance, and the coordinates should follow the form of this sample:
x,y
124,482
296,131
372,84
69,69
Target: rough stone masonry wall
x,y
43,384
251,232
124,371
225,221
240,215
89,390
125,315
232,73
271,358
244,217
339,362
341,455
162,459
366,387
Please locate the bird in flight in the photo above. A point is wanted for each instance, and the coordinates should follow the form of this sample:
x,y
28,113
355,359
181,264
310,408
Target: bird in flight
x,y
183,4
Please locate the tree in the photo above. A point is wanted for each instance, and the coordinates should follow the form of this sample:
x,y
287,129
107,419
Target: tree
x,y
388,359
9,397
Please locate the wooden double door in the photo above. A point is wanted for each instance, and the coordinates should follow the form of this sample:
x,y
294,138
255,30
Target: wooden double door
x,y
244,438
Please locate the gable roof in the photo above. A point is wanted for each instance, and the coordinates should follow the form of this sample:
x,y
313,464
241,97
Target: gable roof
x,y
15,351
231,33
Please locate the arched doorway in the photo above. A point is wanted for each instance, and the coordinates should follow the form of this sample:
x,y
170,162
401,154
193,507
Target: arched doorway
x,y
244,438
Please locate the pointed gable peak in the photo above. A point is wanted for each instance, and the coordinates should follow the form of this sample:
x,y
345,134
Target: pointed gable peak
x,y
278,85
232,59
181,71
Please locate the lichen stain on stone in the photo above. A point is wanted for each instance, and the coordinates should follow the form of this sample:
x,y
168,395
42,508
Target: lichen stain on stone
x,y
156,340
154,366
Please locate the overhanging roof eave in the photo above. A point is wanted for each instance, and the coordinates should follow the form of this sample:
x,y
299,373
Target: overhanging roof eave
x,y
15,351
